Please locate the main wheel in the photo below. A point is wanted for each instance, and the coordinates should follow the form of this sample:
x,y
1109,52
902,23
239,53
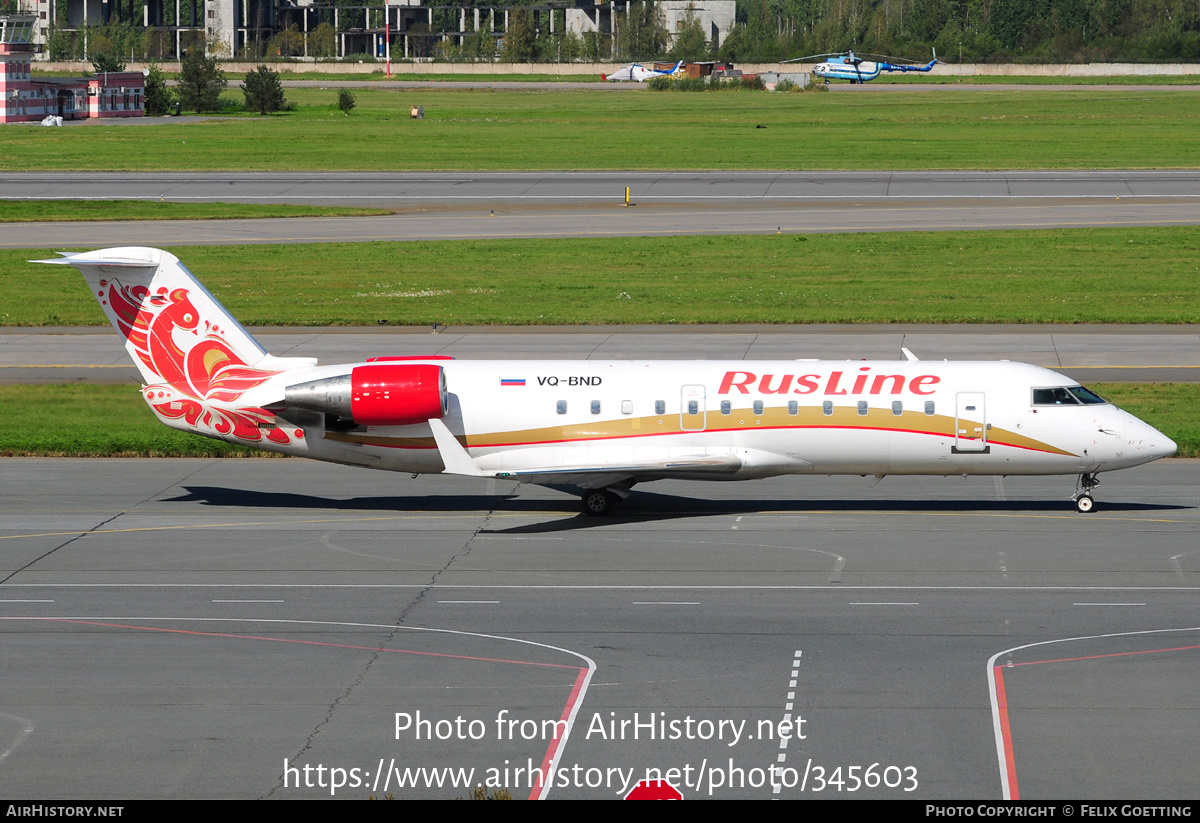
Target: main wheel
x,y
1084,503
599,502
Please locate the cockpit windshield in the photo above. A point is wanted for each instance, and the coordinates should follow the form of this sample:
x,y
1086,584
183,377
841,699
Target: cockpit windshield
x,y
1086,396
1066,396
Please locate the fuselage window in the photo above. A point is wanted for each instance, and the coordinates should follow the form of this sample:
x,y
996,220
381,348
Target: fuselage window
x,y
726,407
626,407
758,407
693,407
660,406
862,407
793,407
897,407
827,407
595,407
562,406
1054,397
929,407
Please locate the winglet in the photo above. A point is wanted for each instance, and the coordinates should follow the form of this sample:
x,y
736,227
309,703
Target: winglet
x,y
454,456
909,356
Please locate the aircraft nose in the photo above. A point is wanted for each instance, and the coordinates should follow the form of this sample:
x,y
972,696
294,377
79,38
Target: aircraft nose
x,y
1154,443
1162,446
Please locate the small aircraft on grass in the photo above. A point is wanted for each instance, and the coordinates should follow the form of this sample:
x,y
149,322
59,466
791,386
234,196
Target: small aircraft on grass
x,y
639,73
602,427
850,66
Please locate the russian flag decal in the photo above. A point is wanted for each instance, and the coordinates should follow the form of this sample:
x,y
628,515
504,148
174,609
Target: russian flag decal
x,y
512,381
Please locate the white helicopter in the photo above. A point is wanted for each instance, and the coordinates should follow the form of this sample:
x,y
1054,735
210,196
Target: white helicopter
x,y
849,66
638,73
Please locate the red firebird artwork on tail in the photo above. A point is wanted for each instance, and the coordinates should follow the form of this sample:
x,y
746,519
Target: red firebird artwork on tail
x,y
194,365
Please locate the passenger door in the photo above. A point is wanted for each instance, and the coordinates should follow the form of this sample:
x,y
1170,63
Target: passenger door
x,y
970,423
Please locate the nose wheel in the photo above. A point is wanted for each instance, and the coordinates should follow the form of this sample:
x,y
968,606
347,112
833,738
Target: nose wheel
x,y
1084,502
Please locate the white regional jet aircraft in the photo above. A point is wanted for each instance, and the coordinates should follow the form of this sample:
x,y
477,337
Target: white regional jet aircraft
x,y
601,427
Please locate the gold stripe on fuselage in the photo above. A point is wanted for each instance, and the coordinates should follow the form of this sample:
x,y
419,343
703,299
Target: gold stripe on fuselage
x,y
738,420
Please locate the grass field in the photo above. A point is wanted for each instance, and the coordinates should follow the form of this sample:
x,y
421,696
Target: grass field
x,y
544,129
33,211
1144,275
114,421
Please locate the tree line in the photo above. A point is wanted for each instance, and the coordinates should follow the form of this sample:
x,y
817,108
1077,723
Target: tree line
x,y
971,31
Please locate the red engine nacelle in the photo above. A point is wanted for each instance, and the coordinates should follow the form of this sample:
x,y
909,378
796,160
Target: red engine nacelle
x,y
397,395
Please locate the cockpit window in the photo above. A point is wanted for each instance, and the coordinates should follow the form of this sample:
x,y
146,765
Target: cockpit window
x,y
1086,396
1054,397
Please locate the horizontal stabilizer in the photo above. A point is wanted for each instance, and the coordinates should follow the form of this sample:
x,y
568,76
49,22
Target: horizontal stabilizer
x,y
79,259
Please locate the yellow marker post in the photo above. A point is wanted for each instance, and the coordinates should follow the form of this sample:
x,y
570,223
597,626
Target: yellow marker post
x,y
627,196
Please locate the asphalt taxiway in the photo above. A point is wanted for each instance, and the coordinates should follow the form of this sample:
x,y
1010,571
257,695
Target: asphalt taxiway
x,y
200,628
725,188
453,205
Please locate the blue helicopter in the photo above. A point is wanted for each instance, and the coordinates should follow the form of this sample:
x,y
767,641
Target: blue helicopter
x,y
849,66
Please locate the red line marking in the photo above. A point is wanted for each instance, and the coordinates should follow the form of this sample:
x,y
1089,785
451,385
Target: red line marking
x,y
1010,765
1102,656
557,741
309,643
1002,702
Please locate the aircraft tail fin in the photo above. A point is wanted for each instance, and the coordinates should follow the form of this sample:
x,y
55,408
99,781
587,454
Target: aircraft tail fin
x,y
177,333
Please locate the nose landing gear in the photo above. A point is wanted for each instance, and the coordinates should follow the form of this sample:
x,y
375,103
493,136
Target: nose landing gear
x,y
1083,493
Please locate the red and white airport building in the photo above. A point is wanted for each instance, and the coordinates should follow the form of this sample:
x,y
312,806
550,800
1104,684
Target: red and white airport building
x,y
24,98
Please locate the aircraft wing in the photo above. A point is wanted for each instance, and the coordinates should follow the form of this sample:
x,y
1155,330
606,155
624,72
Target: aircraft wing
x,y
564,471
594,477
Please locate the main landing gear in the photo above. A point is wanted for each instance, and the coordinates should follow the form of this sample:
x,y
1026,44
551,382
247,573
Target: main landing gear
x,y
1083,493
599,502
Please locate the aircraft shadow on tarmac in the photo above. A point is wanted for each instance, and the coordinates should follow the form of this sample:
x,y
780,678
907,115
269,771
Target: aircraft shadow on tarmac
x,y
641,507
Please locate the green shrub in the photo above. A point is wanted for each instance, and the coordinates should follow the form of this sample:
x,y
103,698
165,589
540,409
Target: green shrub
x,y
263,91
